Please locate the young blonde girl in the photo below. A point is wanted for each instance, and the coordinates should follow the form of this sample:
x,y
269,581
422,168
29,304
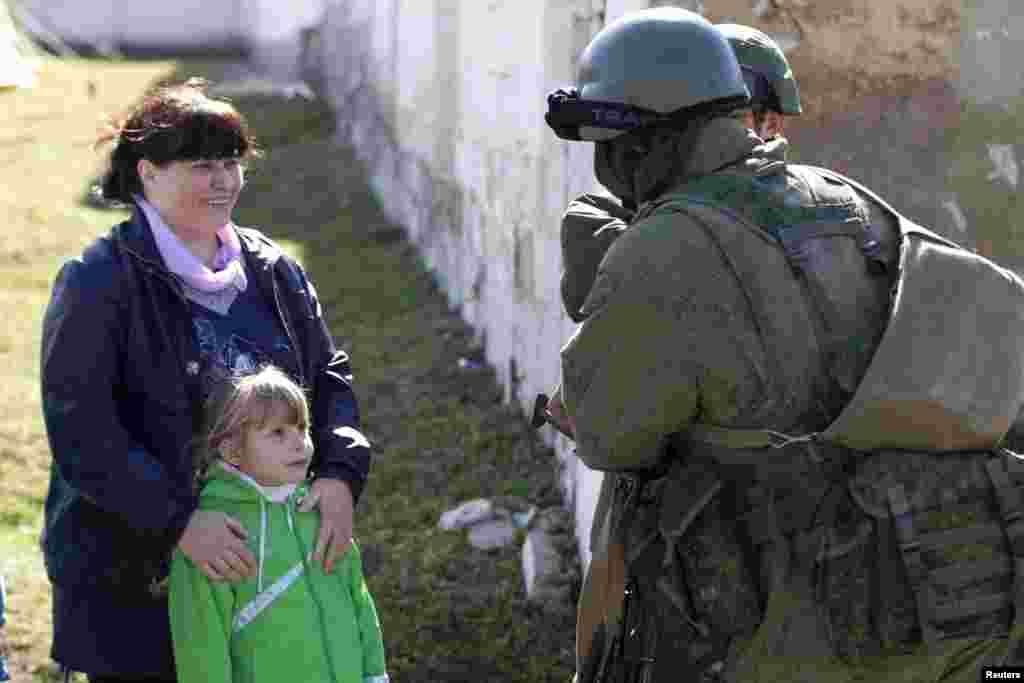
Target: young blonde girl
x,y
291,621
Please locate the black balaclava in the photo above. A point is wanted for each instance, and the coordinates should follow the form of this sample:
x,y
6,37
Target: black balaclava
x,y
643,164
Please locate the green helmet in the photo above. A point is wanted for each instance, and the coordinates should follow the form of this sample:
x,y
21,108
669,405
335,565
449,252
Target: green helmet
x,y
657,66
760,57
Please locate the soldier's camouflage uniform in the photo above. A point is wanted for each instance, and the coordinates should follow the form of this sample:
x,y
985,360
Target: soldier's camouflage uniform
x,y
784,566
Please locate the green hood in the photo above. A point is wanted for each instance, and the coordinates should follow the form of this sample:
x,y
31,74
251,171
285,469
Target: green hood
x,y
223,484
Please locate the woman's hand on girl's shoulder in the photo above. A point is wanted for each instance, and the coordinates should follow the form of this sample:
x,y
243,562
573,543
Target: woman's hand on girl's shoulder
x,y
215,543
334,498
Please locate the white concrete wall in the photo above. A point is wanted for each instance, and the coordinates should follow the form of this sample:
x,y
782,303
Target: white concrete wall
x,y
273,30
270,28
269,20
445,100
177,23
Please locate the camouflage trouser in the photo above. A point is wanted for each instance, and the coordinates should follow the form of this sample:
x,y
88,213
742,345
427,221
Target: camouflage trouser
x,y
900,568
690,597
909,570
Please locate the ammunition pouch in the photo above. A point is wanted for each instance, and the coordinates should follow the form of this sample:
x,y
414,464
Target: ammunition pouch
x,y
897,548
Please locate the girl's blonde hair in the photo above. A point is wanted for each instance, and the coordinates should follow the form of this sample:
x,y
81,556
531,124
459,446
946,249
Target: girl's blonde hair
x,y
245,401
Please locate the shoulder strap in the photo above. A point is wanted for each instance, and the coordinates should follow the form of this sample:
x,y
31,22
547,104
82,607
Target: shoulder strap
x,y
790,226
744,439
837,212
906,225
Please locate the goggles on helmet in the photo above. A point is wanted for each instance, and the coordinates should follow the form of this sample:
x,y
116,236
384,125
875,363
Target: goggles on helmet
x,y
762,94
567,114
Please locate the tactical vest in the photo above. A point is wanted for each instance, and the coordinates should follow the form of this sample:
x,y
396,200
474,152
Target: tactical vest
x,y
896,528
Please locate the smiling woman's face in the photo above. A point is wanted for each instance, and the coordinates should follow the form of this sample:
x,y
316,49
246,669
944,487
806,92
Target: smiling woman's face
x,y
195,197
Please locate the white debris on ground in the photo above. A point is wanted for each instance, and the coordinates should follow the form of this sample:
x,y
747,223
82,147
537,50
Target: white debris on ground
x,y
548,577
467,514
1004,159
491,524
959,220
492,534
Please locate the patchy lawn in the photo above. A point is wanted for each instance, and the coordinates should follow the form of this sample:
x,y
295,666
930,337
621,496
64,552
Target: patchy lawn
x,y
45,153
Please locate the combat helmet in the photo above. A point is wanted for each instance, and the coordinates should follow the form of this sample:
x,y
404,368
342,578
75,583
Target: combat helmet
x,y
768,76
660,66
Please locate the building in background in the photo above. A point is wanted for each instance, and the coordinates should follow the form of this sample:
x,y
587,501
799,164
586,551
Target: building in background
x,y
16,69
270,31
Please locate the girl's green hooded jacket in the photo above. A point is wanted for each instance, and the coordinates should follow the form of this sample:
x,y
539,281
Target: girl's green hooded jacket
x,y
291,622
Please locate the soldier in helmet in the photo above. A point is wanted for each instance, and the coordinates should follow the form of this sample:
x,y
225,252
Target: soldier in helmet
x,y
768,413
593,221
774,93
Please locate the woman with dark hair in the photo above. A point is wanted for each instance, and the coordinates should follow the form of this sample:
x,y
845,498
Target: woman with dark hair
x,y
137,330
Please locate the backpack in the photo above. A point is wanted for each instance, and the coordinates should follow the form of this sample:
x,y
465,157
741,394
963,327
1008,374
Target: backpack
x,y
903,518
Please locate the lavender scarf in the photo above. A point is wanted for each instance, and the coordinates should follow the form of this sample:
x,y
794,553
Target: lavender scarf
x,y
214,288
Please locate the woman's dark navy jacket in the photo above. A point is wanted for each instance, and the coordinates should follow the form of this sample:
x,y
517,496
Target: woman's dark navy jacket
x,y
120,396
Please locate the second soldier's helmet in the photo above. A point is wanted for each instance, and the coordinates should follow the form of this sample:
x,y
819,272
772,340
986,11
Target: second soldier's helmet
x,y
660,66
768,76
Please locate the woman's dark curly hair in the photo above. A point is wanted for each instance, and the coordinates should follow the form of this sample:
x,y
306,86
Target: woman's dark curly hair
x,y
172,123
